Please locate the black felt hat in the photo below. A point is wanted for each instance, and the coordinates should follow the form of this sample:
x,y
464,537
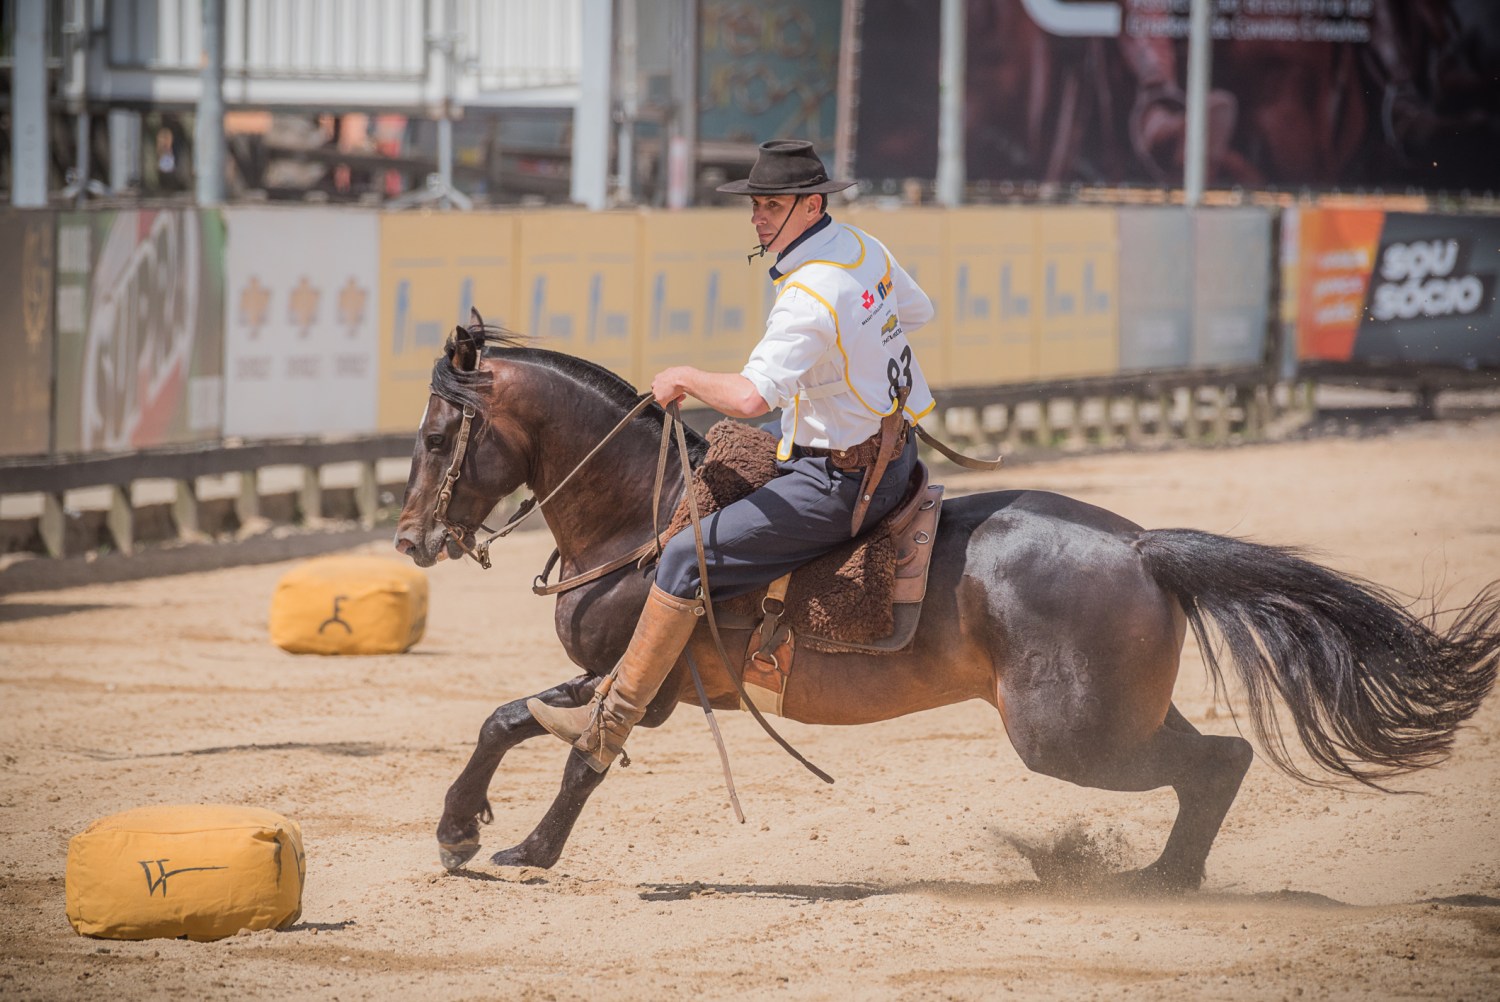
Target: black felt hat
x,y
786,167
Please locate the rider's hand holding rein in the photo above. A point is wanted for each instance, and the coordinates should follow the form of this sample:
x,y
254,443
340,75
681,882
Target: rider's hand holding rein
x,y
726,392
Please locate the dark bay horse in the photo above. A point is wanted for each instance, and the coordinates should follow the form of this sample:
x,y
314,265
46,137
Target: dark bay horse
x,y
1066,618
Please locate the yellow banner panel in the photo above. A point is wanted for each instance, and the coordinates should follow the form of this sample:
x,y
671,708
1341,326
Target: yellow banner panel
x,y
579,282
433,268
991,305
917,238
1079,294
701,304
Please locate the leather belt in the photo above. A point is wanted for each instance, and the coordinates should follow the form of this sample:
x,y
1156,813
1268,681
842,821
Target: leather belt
x,y
856,457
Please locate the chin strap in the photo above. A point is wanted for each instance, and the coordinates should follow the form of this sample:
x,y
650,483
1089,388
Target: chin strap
x,y
760,249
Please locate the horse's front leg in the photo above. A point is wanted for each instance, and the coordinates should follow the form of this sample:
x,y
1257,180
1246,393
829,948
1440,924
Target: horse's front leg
x,y
545,843
467,803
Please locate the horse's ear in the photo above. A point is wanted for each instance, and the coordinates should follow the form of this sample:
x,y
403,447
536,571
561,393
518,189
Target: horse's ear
x,y
476,322
463,349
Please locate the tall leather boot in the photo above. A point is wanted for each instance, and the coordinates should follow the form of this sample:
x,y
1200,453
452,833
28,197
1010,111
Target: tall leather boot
x,y
598,730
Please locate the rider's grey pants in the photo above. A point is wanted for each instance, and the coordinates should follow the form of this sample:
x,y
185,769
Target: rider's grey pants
x,y
801,514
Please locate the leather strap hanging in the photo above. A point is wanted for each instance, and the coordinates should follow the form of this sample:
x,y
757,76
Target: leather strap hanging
x,y
891,442
957,457
674,425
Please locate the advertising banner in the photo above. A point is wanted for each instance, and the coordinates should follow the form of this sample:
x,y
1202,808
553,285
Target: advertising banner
x,y
918,239
433,268
1398,289
991,311
1079,298
767,68
1231,254
702,302
1156,305
26,333
1317,93
1337,255
303,322
1432,296
140,329
580,281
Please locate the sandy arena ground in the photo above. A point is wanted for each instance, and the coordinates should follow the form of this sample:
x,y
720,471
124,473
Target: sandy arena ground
x,y
896,883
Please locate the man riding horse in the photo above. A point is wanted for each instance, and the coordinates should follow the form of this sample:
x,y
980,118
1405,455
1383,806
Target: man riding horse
x,y
836,360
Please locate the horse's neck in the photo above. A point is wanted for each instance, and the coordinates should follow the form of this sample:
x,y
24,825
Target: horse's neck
x,y
607,504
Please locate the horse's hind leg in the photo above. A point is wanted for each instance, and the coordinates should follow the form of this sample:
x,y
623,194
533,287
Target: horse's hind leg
x,y
1205,771
467,803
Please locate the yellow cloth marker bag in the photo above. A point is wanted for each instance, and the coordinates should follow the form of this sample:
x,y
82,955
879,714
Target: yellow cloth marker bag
x,y
349,605
204,871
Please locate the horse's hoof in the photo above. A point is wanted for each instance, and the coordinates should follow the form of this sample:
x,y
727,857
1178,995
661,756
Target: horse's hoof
x,y
1155,881
517,855
455,856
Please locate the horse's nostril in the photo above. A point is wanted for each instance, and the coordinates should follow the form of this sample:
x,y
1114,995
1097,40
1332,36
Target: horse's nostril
x,y
404,546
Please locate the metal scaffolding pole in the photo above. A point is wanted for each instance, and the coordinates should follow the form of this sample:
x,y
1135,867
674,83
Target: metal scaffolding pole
x,y
208,129
28,109
846,97
682,142
590,185
630,101
1200,61
950,165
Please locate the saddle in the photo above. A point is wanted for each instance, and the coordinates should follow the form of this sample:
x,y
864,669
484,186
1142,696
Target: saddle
x,y
864,596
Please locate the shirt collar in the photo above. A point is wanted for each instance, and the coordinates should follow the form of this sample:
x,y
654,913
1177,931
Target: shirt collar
x,y
818,227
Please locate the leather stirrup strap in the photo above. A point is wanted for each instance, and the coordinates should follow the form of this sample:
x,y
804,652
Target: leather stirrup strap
x,y
773,608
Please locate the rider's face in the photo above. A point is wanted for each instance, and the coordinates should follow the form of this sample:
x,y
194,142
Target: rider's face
x,y
768,212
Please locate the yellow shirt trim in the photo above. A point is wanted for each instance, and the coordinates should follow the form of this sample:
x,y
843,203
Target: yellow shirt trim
x,y
784,447
835,264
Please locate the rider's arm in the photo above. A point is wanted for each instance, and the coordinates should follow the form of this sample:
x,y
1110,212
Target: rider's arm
x,y
726,392
799,332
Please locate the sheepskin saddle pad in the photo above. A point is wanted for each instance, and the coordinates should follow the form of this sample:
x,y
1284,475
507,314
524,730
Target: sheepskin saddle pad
x,y
843,600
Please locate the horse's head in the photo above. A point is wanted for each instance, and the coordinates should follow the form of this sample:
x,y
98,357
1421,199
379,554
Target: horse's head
x,y
466,458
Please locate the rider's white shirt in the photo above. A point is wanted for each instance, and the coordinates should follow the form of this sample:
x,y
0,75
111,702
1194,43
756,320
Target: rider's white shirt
x,y
835,342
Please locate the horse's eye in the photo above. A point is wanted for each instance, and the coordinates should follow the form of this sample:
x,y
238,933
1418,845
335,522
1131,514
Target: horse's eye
x,y
434,442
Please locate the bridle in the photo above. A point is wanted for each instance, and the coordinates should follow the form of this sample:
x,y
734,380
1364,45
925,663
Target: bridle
x,y
445,495
480,552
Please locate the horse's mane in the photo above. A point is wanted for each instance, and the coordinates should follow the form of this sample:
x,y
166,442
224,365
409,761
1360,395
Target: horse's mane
x,y
463,388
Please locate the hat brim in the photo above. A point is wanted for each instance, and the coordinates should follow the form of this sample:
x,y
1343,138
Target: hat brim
x,y
744,187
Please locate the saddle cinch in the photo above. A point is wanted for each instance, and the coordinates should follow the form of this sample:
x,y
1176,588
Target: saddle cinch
x,y
865,596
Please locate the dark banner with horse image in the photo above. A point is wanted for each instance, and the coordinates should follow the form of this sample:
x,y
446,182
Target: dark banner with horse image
x,y
1307,93
140,329
1399,289
26,332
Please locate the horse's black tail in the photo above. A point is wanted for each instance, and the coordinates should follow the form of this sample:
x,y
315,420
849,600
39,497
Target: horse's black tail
x,y
1375,690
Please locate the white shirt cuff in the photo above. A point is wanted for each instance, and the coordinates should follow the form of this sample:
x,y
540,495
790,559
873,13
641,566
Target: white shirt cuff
x,y
764,386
